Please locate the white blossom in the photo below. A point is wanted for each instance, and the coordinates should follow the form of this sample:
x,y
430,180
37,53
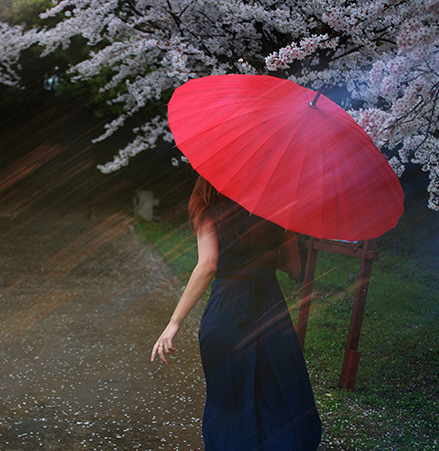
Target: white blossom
x,y
397,166
147,138
12,41
382,54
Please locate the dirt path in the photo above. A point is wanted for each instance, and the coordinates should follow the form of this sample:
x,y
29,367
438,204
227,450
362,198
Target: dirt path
x,y
81,302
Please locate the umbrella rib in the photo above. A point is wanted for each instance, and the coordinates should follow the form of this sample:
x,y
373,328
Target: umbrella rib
x,y
253,126
288,146
238,169
208,129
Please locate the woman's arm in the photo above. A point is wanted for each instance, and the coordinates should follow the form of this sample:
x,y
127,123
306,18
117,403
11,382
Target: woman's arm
x,y
289,256
199,280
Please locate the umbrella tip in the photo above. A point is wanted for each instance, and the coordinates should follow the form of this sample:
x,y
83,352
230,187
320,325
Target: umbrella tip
x,y
313,104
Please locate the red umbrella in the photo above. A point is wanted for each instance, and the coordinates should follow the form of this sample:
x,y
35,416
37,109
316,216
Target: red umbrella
x,y
309,168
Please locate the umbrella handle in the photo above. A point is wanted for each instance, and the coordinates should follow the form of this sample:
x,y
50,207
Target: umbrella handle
x,y
319,92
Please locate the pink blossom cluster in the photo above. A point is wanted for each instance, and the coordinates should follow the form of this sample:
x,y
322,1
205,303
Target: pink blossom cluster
x,y
245,67
284,57
335,19
414,35
377,123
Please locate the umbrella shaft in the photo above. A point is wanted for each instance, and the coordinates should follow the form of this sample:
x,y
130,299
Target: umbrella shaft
x,y
319,92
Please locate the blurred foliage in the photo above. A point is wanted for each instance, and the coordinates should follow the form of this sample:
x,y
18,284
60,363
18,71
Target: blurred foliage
x,y
23,12
45,80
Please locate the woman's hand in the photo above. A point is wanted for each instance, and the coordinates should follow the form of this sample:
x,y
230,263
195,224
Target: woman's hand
x,y
199,280
164,344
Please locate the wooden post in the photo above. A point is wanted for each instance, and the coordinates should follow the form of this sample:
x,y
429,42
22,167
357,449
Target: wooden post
x,y
351,358
364,250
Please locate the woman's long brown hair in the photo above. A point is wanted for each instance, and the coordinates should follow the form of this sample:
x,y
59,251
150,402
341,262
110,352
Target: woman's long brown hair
x,y
203,201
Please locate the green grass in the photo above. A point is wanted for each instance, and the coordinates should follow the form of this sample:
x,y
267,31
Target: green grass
x,y
395,403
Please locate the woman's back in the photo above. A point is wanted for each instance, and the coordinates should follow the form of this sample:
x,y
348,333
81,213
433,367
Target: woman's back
x,y
247,245
258,392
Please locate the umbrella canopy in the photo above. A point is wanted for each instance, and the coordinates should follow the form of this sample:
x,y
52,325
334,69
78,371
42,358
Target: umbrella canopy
x,y
310,169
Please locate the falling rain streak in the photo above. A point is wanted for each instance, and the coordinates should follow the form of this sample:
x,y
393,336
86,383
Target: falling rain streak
x,y
81,303
75,343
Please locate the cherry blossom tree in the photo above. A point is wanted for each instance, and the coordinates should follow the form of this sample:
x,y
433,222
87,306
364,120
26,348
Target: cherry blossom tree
x,y
378,59
12,41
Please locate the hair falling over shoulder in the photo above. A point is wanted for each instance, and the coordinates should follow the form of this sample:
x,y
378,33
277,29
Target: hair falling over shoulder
x,y
204,201
226,214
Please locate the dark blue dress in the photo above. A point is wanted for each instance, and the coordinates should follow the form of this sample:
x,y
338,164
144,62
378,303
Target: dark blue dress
x,y
259,397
